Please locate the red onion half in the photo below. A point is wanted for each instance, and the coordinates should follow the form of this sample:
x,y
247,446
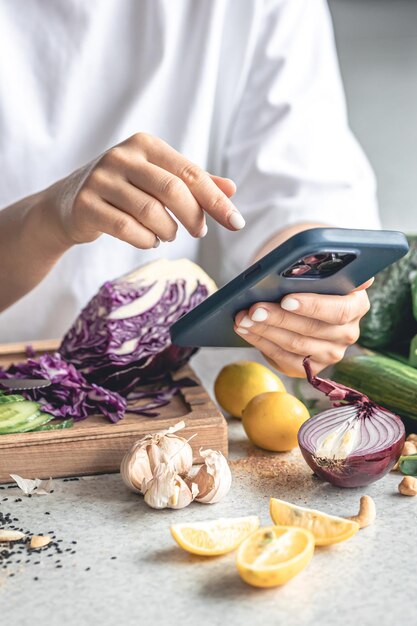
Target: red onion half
x,y
354,443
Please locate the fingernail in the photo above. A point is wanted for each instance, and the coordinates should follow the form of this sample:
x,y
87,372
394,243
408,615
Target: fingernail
x,y
260,315
203,231
246,322
236,220
242,331
157,242
290,304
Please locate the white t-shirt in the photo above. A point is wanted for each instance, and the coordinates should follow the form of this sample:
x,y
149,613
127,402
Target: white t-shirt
x,y
248,89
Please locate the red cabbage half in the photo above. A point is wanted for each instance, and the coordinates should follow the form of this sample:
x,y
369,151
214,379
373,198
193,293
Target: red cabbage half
x,y
121,338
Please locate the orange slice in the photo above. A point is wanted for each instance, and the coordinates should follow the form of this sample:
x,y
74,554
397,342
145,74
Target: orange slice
x,y
273,555
215,537
327,529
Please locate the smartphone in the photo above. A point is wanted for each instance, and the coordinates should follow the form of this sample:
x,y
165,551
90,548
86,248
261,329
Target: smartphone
x,y
320,260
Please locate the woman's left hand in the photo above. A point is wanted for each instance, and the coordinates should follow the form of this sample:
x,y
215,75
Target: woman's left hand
x,y
304,324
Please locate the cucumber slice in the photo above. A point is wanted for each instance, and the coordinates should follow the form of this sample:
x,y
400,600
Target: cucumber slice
x,y
11,398
14,416
56,426
40,420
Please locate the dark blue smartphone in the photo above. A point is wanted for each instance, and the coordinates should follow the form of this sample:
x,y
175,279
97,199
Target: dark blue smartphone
x,y
320,260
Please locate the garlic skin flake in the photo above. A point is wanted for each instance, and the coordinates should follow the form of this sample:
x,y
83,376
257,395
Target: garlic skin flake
x,y
168,490
213,479
141,462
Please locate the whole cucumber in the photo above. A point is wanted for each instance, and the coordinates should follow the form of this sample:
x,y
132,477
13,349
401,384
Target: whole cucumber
x,y
386,381
390,318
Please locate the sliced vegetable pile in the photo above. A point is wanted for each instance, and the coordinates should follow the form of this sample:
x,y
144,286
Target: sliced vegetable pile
x,y
18,415
120,339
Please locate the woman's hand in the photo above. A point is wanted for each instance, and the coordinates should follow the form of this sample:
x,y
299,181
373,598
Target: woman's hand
x,y
304,324
125,193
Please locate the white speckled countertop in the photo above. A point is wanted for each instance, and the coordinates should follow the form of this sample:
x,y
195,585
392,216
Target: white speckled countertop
x,y
368,580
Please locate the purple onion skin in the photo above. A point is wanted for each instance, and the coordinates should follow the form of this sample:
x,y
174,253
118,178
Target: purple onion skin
x,y
356,471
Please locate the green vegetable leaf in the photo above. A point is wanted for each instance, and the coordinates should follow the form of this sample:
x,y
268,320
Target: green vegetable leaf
x,y
408,465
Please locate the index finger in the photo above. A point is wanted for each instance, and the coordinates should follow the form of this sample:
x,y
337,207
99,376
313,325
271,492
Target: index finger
x,y
208,195
331,309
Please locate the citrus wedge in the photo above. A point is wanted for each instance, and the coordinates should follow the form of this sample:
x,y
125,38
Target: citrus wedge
x,y
327,529
215,537
273,555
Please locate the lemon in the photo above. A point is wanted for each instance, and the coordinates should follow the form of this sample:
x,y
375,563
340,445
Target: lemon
x,y
272,420
215,537
241,381
327,529
273,555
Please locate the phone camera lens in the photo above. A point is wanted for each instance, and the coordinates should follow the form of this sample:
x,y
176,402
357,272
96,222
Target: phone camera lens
x,y
314,259
328,266
297,270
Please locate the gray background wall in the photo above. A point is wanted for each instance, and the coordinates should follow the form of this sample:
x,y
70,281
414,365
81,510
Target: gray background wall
x,y
377,44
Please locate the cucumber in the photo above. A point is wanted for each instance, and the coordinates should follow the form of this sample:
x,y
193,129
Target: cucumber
x,y
390,318
413,352
56,426
16,416
386,381
11,398
38,422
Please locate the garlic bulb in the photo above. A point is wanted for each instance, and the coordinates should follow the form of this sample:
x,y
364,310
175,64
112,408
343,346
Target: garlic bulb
x,y
213,479
139,465
168,490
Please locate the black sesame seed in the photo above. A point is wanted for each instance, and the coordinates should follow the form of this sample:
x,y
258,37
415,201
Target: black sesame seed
x,y
35,578
87,569
58,566
113,557
74,542
47,513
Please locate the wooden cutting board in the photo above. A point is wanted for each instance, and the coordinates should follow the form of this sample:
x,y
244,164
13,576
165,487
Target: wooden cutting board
x,y
95,446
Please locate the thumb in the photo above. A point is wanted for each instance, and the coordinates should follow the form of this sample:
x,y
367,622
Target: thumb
x,y
365,285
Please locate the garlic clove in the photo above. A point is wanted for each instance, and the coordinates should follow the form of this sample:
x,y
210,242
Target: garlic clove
x,y
161,488
184,494
135,468
178,452
213,479
168,490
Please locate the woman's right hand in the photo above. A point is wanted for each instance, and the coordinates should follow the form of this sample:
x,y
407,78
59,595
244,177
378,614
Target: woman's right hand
x,y
126,192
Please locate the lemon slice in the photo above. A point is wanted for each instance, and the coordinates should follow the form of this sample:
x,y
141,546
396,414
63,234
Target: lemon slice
x,y
215,537
273,555
327,529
